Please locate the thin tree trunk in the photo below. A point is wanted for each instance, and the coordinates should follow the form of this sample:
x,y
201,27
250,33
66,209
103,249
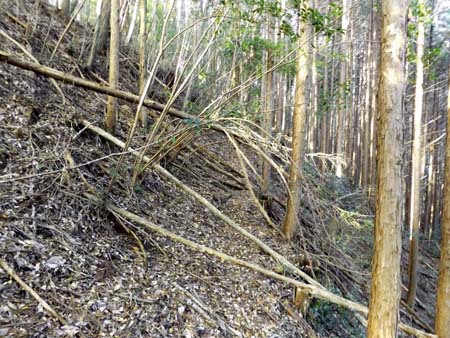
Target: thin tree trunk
x,y
325,109
299,119
433,183
443,292
332,145
268,113
111,105
132,23
142,68
100,32
376,46
414,206
314,94
431,168
368,94
386,285
340,127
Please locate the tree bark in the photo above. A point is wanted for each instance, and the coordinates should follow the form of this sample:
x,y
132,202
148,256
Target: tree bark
x,y
443,292
367,106
100,32
414,201
111,105
132,23
342,83
299,119
267,110
142,69
386,286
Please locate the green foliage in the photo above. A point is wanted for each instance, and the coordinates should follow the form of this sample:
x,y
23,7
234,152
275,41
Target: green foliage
x,y
194,122
326,318
252,10
233,113
430,58
288,68
421,13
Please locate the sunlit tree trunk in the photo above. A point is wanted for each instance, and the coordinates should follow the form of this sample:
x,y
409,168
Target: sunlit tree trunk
x,y
375,73
299,119
142,68
314,94
430,212
111,105
431,113
386,285
340,127
326,114
331,139
132,22
268,111
100,32
414,206
443,292
367,105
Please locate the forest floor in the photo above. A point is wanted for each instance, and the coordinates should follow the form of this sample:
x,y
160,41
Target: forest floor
x,y
85,262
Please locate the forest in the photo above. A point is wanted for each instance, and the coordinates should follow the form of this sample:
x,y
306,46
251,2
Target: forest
x,y
224,168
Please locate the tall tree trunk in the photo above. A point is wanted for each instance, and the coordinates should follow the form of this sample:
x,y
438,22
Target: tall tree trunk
x,y
314,94
375,74
142,68
100,32
430,112
367,106
132,23
414,206
342,82
332,145
268,111
111,105
386,286
443,292
325,109
299,120
434,168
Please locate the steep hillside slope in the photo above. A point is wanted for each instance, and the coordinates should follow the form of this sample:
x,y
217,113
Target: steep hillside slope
x,y
110,277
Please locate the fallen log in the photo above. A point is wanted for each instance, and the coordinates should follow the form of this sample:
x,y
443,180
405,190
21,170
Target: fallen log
x,y
316,289
216,212
79,82
313,291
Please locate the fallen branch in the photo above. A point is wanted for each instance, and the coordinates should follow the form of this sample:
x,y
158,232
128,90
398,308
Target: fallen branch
x,y
23,49
10,271
77,81
207,312
216,212
130,232
314,291
261,209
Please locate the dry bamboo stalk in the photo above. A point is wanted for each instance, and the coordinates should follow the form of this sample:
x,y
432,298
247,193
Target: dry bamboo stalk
x,y
316,290
10,271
